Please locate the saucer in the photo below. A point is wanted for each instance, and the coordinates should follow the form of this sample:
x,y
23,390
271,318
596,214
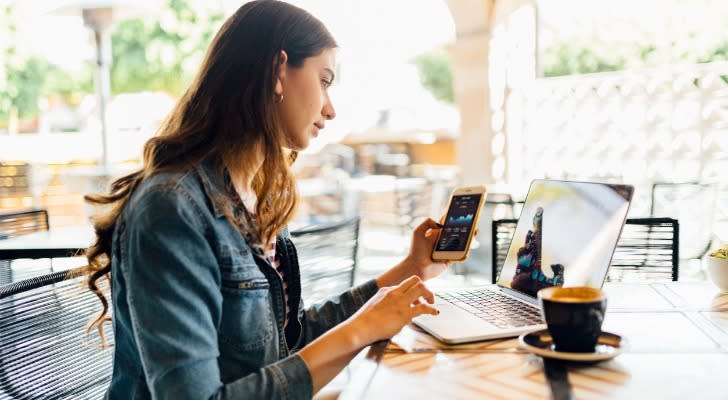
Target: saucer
x,y
540,343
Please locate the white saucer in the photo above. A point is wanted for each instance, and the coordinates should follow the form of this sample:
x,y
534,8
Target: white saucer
x,y
540,343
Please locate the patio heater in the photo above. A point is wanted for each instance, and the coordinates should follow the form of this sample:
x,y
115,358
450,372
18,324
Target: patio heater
x,y
99,16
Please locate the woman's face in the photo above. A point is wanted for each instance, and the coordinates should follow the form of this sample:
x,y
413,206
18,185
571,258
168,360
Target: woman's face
x,y
306,104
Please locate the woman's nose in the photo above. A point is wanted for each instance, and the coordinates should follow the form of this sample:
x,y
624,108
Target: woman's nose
x,y
328,111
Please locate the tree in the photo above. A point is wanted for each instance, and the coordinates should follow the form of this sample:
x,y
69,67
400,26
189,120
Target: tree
x,y
567,59
161,55
158,55
436,75
589,56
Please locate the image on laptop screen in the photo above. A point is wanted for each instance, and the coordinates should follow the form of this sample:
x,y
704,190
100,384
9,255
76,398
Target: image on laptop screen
x,y
565,236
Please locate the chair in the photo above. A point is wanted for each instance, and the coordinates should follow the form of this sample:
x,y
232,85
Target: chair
x,y
45,351
694,205
19,223
648,249
15,224
327,256
502,232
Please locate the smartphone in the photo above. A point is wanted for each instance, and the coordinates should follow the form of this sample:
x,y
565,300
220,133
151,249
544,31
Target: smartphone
x,y
460,222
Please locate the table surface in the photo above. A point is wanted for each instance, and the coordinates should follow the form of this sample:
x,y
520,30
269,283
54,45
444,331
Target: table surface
x,y
677,346
57,242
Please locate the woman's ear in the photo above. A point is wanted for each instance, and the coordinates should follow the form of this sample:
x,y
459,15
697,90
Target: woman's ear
x,y
282,69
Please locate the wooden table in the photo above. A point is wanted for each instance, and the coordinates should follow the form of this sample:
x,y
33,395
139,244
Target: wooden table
x,y
677,336
57,242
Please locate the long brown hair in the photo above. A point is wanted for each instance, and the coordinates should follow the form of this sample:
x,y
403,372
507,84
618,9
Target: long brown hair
x,y
227,112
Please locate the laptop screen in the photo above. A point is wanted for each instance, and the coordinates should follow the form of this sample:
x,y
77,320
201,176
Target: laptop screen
x,y
565,236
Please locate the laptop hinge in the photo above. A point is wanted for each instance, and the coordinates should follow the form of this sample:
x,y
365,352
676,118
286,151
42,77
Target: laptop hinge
x,y
518,295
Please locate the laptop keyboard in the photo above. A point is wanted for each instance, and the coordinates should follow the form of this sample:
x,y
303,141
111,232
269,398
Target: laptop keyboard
x,y
498,309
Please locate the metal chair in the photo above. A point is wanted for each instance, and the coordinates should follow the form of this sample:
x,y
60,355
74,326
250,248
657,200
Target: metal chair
x,y
496,206
692,203
648,249
45,351
502,232
327,256
19,223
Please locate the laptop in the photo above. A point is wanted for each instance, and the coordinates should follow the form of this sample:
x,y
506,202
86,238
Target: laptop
x,y
565,236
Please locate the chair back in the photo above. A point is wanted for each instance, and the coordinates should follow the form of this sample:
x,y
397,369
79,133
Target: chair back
x,y
327,255
21,222
502,232
694,205
647,250
45,352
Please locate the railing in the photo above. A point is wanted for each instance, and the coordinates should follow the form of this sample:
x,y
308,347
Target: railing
x,y
668,124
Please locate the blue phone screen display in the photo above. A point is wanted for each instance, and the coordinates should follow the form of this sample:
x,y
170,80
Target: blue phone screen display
x,y
458,223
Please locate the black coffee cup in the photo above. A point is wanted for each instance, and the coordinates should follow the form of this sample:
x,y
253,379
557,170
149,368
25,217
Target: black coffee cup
x,y
573,316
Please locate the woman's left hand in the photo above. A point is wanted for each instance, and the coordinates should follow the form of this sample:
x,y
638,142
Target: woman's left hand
x,y
419,261
419,258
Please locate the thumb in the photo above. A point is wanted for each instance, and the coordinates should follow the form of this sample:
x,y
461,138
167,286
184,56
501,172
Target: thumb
x,y
426,225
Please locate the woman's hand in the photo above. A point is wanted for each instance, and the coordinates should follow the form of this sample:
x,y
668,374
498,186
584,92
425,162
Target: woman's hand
x,y
390,309
420,253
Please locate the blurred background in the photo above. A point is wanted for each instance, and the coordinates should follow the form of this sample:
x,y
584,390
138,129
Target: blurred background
x,y
430,94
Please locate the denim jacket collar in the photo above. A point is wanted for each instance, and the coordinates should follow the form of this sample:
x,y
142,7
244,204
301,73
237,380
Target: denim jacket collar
x,y
216,188
215,184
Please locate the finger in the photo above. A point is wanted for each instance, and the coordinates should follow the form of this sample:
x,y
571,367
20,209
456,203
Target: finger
x,y
420,290
423,309
426,225
408,283
476,231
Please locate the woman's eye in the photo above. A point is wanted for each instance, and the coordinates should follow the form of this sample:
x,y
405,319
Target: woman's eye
x,y
325,83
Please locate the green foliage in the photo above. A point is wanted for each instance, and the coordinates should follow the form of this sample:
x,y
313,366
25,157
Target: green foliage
x,y
9,65
566,59
587,56
147,55
25,85
719,53
721,253
157,56
436,75
70,86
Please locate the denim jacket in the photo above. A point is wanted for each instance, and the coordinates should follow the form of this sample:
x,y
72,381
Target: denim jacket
x,y
195,314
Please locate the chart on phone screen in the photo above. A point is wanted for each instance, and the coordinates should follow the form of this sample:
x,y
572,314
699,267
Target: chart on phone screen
x,y
458,223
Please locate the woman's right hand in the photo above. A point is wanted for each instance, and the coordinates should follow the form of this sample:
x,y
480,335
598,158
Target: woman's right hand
x,y
391,308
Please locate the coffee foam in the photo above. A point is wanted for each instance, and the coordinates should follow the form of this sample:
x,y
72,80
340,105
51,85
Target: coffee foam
x,y
572,294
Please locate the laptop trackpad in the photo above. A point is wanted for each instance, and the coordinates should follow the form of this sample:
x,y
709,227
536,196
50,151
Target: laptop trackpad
x,y
454,324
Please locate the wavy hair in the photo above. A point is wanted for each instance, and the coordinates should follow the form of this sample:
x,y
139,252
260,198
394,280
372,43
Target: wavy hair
x,y
227,112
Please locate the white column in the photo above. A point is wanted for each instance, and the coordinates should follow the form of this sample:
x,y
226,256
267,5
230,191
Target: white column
x,y
493,52
470,62
470,73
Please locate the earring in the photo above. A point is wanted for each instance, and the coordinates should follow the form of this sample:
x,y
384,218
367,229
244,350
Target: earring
x,y
279,98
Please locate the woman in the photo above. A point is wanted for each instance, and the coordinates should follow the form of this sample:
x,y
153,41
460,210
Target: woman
x,y
205,289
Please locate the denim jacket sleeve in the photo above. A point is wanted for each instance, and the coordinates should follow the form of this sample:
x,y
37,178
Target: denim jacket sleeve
x,y
175,304
320,317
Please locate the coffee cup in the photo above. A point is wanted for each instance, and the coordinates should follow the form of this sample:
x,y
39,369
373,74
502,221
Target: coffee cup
x,y
573,316
718,271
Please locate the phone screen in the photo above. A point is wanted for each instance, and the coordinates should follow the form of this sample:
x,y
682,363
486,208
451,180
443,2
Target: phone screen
x,y
458,223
